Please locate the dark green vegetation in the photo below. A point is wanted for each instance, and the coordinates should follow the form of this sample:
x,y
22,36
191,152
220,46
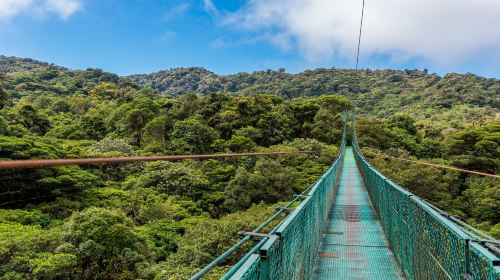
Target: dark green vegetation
x,y
450,100
145,220
166,220
474,198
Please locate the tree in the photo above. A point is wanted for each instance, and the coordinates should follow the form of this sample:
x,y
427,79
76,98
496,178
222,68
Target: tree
x,y
276,125
130,118
327,126
105,244
405,122
269,181
174,179
155,134
4,98
239,144
3,125
197,248
192,136
476,148
213,103
69,131
28,251
61,106
482,199
33,120
304,111
250,132
333,103
115,147
164,234
93,124
19,187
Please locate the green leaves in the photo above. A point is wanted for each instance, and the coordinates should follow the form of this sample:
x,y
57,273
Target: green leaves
x,y
33,120
53,266
130,118
327,126
192,136
26,148
164,236
269,181
18,187
174,179
472,197
25,251
240,144
105,243
23,217
477,148
198,248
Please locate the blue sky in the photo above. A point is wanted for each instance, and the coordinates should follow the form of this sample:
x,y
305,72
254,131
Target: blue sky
x,y
141,36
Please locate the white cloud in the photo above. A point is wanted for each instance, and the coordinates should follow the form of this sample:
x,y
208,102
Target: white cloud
x,y
176,11
39,8
442,32
64,8
9,8
209,7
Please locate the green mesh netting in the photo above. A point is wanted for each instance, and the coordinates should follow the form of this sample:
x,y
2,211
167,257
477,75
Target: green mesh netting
x,y
426,244
291,252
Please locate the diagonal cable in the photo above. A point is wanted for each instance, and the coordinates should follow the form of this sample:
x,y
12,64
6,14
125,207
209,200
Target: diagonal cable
x,y
360,32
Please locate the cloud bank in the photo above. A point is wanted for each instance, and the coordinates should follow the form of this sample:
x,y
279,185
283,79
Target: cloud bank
x,y
39,8
443,32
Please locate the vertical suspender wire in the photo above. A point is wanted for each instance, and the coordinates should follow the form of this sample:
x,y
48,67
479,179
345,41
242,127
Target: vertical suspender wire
x,y
360,30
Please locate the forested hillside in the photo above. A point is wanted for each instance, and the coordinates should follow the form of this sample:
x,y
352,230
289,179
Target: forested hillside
x,y
451,102
380,93
166,220
144,220
13,64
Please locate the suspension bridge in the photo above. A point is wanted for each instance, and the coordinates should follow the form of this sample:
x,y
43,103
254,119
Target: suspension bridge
x,y
355,223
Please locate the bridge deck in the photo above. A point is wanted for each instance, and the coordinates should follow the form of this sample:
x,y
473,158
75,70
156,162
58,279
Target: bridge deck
x,y
353,244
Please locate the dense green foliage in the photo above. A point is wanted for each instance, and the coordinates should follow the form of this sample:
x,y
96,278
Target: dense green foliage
x,y
165,220
447,101
143,220
450,102
472,197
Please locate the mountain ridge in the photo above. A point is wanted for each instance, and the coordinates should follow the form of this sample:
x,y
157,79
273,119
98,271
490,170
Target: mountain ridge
x,y
379,93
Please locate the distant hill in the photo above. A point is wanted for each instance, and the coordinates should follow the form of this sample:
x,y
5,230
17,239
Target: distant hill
x,y
454,98
11,64
24,76
180,81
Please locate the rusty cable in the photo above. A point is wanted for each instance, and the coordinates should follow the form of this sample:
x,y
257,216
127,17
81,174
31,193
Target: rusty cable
x,y
435,165
39,163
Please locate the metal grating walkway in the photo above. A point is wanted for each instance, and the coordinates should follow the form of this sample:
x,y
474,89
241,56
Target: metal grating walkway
x,y
353,243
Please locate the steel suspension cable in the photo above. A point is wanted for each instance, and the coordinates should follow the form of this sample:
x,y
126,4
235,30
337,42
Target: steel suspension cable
x,y
436,165
360,32
39,163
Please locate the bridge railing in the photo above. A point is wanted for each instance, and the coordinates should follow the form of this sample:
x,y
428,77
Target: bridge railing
x,y
427,244
289,250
